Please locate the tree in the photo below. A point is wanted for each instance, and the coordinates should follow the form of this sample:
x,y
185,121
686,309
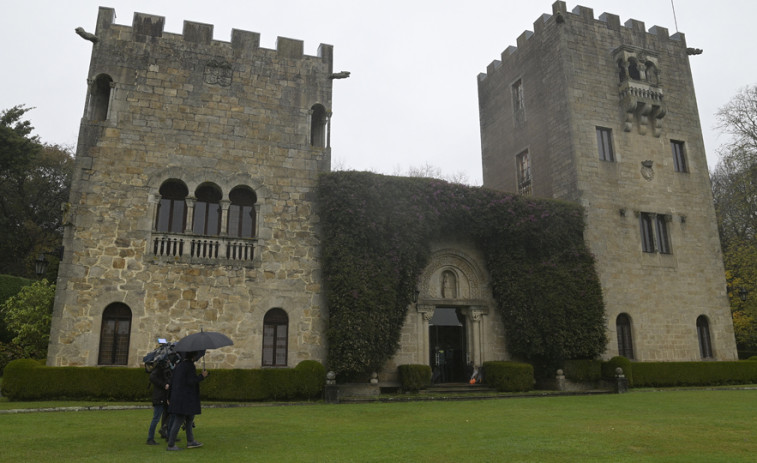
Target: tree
x,y
734,190
28,315
34,183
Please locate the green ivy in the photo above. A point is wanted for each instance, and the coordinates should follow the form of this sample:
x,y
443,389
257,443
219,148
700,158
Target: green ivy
x,y
376,234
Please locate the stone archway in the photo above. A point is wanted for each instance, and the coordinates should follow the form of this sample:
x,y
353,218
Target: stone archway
x,y
453,282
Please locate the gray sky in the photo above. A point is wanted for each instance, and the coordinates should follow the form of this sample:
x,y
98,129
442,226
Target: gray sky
x,y
412,97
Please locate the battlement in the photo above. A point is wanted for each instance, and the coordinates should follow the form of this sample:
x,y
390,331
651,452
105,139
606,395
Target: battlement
x,y
560,17
147,27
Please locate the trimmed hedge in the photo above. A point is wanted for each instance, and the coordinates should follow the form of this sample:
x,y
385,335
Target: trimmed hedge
x,y
509,376
310,378
414,377
667,374
30,380
583,371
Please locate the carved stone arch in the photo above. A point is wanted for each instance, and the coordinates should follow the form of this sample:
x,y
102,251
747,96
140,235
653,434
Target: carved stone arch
x,y
192,180
470,277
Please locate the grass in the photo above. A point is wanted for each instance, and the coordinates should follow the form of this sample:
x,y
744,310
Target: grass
x,y
670,426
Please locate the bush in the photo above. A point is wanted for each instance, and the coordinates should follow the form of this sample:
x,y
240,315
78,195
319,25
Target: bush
x,y
235,385
311,378
27,316
9,352
9,287
30,380
608,369
414,377
667,374
583,371
509,376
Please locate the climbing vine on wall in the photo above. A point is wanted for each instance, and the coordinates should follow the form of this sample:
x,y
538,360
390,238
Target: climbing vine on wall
x,y
376,232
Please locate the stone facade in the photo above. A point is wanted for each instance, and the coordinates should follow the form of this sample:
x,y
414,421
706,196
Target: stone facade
x,y
192,203
214,121
548,108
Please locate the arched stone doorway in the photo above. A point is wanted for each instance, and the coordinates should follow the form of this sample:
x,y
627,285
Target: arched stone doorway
x,y
452,310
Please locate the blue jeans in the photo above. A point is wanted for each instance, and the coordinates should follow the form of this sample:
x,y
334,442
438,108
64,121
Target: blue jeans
x,y
157,412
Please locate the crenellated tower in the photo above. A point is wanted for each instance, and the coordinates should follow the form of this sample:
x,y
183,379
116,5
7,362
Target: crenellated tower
x,y
192,201
604,113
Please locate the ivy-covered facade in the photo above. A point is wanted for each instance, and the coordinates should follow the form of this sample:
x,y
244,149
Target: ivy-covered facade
x,y
423,271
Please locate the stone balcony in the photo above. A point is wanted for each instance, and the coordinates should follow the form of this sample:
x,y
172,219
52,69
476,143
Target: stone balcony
x,y
642,103
212,250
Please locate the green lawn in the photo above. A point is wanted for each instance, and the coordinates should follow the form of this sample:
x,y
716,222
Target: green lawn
x,y
669,426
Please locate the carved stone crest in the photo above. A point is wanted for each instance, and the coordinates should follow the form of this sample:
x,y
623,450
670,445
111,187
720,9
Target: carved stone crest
x,y
646,170
218,72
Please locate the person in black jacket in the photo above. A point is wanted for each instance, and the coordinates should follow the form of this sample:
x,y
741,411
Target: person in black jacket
x,y
185,400
160,377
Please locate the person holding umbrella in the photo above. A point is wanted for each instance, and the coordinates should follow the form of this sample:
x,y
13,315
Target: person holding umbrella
x,y
185,399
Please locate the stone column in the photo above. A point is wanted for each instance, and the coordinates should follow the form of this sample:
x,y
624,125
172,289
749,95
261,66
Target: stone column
x,y
190,213
224,217
427,312
475,315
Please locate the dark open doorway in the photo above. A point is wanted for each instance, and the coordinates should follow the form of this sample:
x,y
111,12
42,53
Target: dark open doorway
x,y
447,342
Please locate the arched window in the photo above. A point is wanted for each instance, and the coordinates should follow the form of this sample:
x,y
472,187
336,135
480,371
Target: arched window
x,y
172,207
242,213
275,332
318,126
703,332
114,335
207,213
633,69
99,98
625,342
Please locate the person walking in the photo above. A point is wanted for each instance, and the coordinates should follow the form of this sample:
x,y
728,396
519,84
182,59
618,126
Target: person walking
x,y
185,400
160,377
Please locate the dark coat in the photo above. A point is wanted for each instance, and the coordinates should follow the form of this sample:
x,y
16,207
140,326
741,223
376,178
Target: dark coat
x,y
159,377
185,389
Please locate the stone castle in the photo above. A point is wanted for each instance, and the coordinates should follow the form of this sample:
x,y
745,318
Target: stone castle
x,y
192,204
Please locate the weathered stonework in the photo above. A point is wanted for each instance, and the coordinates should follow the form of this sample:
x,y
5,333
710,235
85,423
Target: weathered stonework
x,y
579,73
202,115
185,107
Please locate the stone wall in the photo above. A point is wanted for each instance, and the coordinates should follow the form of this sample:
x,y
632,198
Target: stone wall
x,y
204,112
572,84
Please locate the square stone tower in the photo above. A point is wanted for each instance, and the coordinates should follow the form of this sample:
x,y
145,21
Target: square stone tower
x,y
605,114
192,200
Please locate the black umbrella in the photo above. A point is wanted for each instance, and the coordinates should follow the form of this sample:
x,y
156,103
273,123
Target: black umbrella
x,y
202,341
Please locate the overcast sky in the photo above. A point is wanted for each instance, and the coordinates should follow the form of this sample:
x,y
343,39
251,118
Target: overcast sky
x,y
412,97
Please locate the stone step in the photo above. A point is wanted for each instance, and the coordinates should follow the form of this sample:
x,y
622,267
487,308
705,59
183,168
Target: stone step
x,y
456,388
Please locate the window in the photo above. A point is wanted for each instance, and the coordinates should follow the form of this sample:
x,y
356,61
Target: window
x,y
114,335
633,69
661,226
172,207
604,144
207,212
519,103
242,213
647,236
275,327
318,126
654,233
703,332
99,98
679,156
625,343
524,173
